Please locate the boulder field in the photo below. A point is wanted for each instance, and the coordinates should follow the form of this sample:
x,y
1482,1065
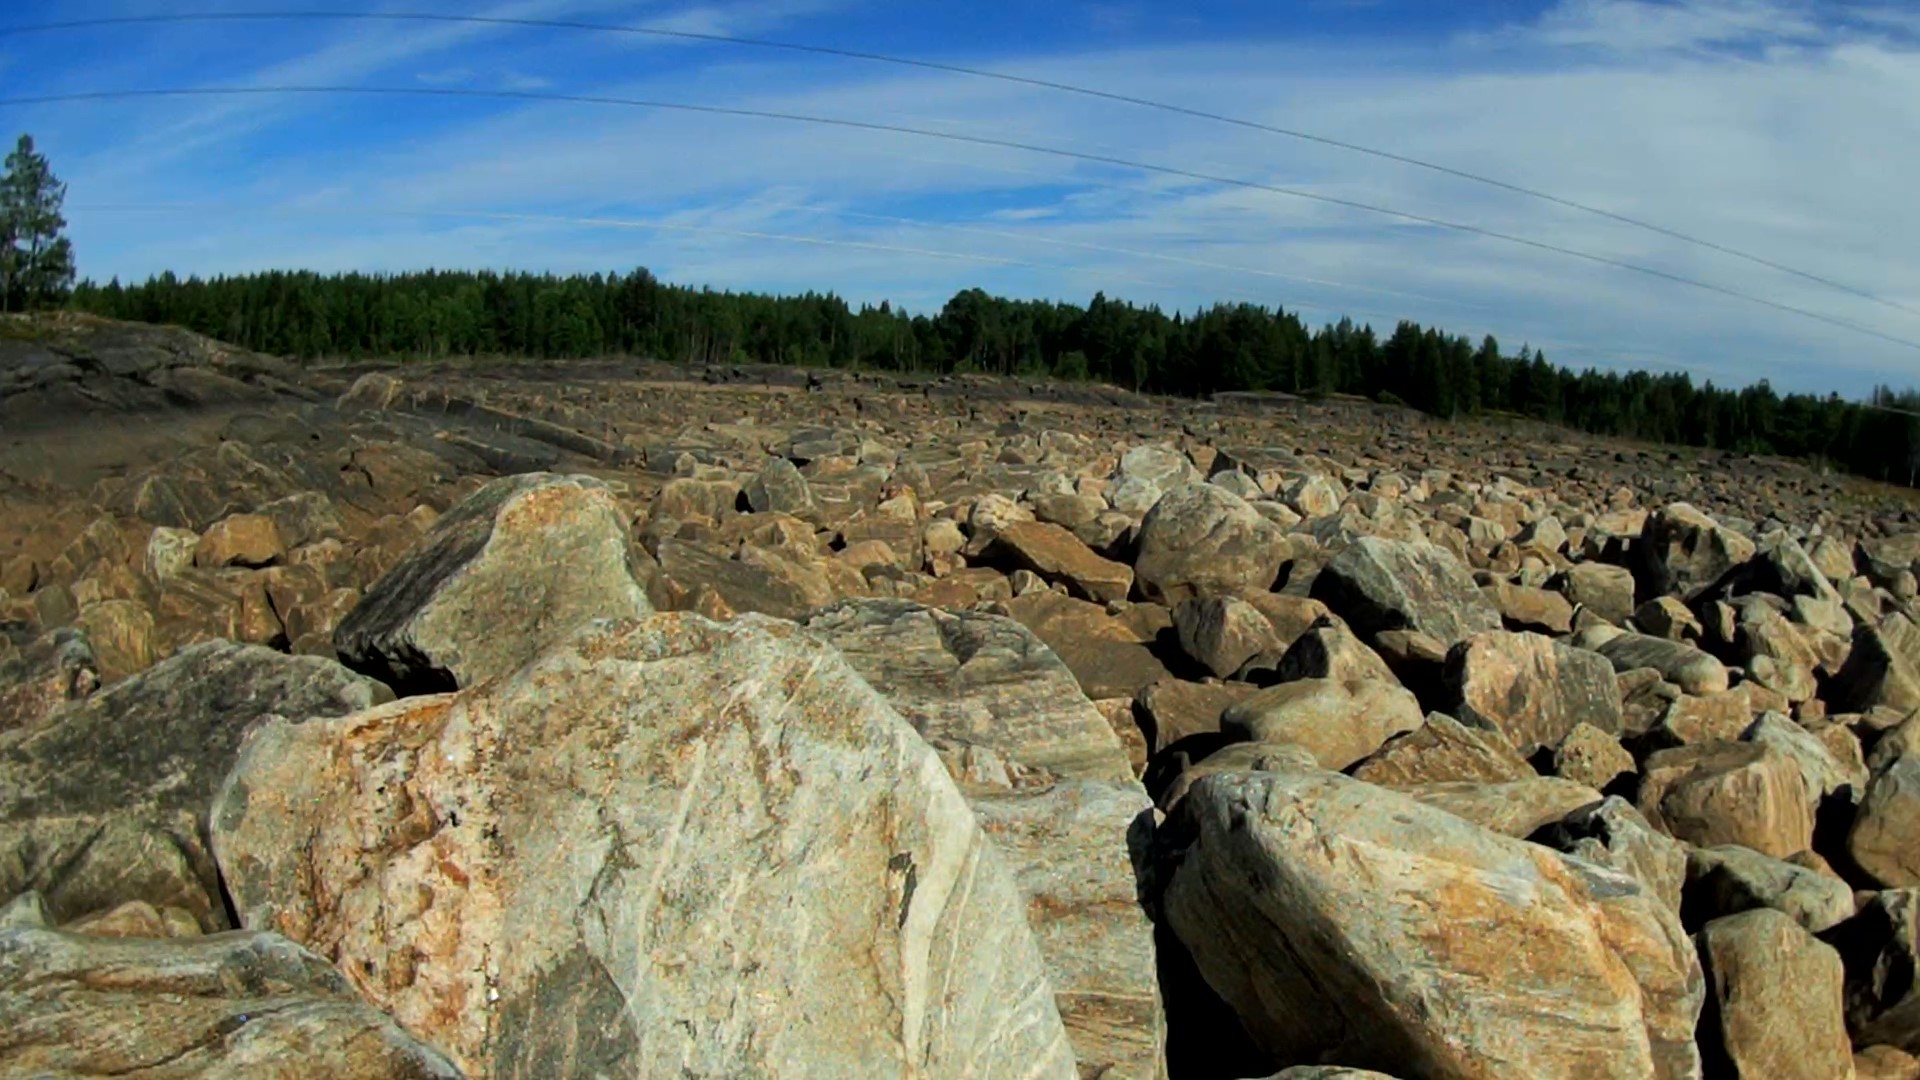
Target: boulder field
x,y
618,718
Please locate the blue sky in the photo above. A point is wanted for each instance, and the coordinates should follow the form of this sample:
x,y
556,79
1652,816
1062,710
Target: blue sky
x,y
1787,129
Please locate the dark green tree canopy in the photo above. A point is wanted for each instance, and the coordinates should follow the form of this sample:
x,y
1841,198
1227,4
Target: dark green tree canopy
x,y
36,259
1224,347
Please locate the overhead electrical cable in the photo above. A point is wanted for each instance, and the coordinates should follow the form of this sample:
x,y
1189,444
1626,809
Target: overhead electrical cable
x,y
712,37
977,140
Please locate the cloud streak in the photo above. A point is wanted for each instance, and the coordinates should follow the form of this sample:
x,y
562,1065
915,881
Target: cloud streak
x,y
1773,127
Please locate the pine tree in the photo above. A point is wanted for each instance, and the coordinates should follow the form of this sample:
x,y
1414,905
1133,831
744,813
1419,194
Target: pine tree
x,y
36,260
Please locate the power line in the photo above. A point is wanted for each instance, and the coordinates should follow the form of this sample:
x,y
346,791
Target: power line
x,y
972,72
977,140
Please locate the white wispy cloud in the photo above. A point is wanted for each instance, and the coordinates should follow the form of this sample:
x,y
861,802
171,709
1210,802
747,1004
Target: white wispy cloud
x,y
1767,126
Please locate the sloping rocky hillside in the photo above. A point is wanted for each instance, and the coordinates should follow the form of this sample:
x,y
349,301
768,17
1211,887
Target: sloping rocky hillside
x,y
622,719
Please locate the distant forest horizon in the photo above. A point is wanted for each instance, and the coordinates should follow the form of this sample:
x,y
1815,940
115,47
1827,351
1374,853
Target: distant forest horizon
x,y
1226,347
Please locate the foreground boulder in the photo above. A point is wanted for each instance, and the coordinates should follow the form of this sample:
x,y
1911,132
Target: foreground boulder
x,y
105,801
663,846
515,565
1774,1002
250,1004
1378,585
1348,923
1046,777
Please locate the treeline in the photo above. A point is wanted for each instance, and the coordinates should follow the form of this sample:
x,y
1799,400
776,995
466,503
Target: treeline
x,y
1225,347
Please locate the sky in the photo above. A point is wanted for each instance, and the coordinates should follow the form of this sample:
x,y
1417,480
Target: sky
x,y
1782,129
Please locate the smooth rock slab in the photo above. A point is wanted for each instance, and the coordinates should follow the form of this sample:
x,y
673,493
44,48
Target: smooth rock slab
x,y
515,565
1349,923
662,846
232,1005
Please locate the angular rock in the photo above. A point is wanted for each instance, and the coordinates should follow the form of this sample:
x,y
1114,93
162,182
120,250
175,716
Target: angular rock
x,y
1727,880
662,845
1603,589
1102,652
1729,793
1146,474
246,1004
1378,585
1058,555
250,540
54,668
1883,840
1611,833
778,488
1224,632
106,800
1825,773
1885,1063
1178,709
1664,616
969,679
518,563
1201,540
1880,947
1592,757
1338,722
1442,750
169,551
122,635
1700,718
1881,671
1683,665
1538,610
1344,922
1531,689
1684,551
1774,999
1516,808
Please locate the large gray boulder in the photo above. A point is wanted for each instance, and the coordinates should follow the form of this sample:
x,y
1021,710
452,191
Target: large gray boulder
x,y
662,846
1052,788
1378,585
234,1005
1202,540
512,567
105,800
1344,922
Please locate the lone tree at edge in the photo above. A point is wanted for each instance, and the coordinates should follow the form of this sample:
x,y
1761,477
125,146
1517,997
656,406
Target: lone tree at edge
x,y
36,259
